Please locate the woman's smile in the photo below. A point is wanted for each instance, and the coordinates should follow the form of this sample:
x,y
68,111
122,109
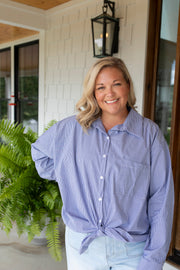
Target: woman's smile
x,y
111,101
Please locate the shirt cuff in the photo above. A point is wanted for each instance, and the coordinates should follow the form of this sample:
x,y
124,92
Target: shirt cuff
x,y
150,265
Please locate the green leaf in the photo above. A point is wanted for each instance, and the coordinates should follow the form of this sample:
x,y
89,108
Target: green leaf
x,y
53,239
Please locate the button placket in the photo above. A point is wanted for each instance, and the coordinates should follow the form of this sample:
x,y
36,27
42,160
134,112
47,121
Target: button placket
x,y
102,179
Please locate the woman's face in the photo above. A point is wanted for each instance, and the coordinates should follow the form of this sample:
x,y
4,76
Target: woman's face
x,y
111,92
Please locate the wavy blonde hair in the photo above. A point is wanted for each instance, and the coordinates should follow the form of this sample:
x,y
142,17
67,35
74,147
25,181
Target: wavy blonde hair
x,y
87,106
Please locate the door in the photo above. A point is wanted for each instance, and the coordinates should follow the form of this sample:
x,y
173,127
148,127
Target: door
x,y
162,91
26,84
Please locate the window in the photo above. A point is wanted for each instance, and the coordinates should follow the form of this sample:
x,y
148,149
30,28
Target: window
x,y
5,83
19,103
166,66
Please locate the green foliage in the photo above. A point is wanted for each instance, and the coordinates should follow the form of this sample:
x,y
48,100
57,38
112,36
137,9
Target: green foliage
x,y
54,240
26,199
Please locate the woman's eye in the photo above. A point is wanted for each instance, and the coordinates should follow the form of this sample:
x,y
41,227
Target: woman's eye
x,y
100,88
117,84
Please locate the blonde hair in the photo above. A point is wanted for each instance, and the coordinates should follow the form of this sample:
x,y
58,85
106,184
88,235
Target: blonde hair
x,y
87,106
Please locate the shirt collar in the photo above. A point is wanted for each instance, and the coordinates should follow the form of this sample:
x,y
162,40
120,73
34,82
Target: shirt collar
x,y
132,124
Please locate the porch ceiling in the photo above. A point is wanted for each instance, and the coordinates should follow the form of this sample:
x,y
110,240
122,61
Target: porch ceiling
x,y
42,4
10,33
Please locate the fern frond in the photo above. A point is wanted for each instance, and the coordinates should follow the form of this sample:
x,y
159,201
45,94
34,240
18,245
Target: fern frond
x,y
50,124
31,136
36,224
53,240
49,196
30,236
21,225
35,229
13,134
40,217
7,218
10,160
4,181
7,129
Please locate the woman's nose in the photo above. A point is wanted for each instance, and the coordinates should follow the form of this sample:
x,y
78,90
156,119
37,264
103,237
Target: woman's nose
x,y
110,91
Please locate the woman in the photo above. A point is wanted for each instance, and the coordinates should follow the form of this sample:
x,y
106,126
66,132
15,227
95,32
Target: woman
x,y
114,172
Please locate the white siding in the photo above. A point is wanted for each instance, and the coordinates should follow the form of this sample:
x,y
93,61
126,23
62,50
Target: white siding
x,y
69,53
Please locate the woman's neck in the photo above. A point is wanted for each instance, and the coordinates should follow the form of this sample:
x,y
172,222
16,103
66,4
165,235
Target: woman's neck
x,y
111,121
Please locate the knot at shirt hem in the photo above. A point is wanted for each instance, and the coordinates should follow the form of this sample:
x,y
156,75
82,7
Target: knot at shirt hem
x,y
119,234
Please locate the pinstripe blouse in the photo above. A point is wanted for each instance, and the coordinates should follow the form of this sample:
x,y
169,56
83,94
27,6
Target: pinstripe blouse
x,y
117,184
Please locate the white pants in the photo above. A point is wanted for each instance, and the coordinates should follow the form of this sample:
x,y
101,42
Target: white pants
x,y
104,253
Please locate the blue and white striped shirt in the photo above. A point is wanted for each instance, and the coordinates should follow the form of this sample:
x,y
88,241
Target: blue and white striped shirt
x,y
117,184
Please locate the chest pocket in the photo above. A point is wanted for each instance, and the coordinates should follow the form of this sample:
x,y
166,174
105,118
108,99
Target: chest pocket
x,y
130,178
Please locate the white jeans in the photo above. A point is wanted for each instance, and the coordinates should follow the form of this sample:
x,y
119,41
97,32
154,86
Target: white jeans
x,y
104,253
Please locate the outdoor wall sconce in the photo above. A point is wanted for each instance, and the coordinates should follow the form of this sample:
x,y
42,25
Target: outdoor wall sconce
x,y
105,30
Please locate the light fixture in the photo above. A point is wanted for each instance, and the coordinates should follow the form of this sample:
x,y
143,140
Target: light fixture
x,y
105,30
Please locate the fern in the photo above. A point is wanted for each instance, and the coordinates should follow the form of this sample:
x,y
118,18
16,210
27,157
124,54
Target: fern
x,y
26,199
30,136
10,159
13,134
39,217
7,218
50,195
53,239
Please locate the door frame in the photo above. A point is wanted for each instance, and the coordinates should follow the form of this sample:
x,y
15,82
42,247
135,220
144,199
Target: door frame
x,y
155,8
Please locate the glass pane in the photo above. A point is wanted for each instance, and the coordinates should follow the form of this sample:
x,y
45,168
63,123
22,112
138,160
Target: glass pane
x,y
98,37
29,112
28,70
109,36
5,83
166,66
4,108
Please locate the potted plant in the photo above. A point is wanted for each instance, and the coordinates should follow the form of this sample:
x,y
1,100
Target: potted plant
x,y
26,200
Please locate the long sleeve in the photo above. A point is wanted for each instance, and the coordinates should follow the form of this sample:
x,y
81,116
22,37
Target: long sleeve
x,y
160,207
42,154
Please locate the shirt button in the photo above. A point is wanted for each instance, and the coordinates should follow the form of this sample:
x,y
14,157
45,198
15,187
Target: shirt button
x,y
101,177
100,199
107,137
104,156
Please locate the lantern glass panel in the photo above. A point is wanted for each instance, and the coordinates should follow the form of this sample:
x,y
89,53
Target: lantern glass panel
x,y
98,36
110,26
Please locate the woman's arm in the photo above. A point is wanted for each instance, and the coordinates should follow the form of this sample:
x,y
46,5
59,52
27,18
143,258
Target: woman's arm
x,y
160,207
43,154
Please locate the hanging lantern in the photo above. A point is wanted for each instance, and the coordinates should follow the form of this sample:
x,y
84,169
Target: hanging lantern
x,y
105,32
